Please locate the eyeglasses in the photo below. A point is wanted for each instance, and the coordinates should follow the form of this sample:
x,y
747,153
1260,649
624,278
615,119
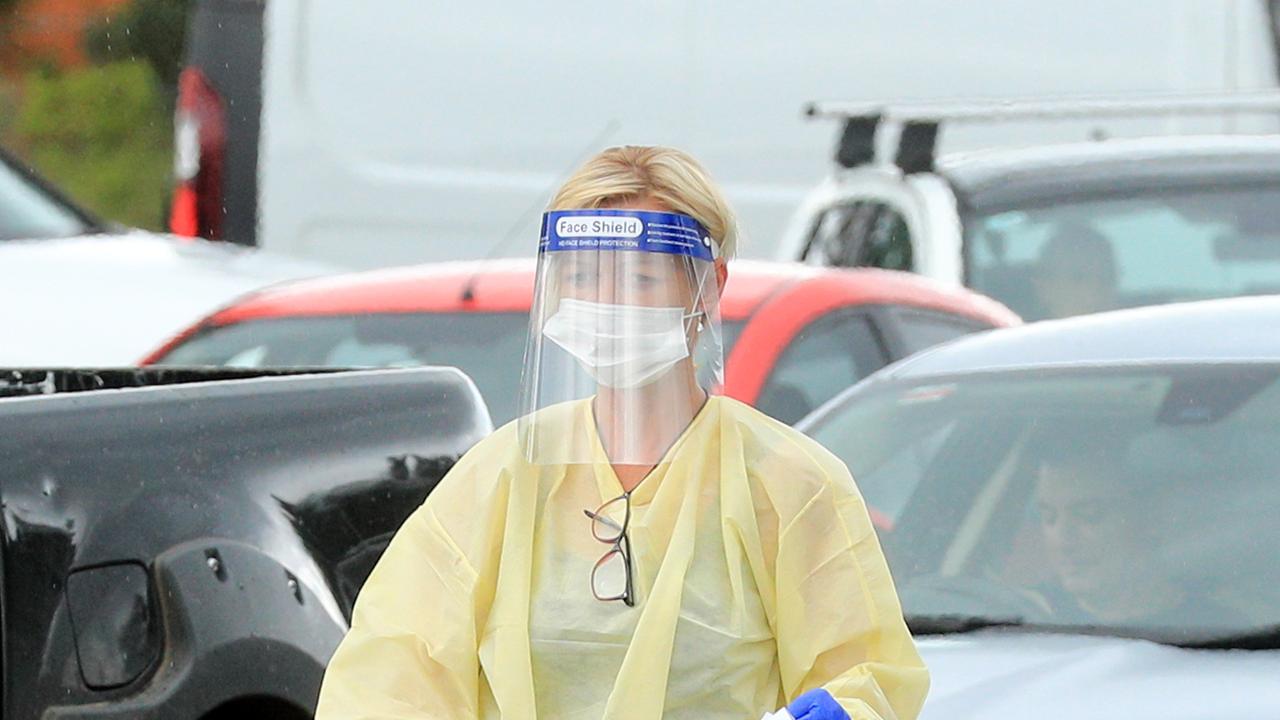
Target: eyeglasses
x,y
611,576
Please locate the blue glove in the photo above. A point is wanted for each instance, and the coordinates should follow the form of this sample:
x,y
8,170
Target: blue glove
x,y
817,704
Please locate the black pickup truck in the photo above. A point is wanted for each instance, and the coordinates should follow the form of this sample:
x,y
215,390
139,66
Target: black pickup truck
x,y
189,543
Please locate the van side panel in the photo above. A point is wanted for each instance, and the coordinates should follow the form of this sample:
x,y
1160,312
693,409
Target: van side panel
x,y
407,131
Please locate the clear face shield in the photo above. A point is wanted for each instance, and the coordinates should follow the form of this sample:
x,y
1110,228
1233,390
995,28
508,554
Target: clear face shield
x,y
625,340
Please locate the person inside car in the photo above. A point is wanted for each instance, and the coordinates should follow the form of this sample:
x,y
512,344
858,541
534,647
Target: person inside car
x,y
1104,525
1076,272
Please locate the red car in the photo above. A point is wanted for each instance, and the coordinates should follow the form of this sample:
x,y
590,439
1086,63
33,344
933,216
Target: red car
x,y
795,335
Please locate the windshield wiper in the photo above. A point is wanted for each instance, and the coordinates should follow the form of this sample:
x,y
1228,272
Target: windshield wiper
x,y
1262,638
958,624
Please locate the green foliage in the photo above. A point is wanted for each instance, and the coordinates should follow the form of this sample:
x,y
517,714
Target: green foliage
x,y
8,107
103,134
150,30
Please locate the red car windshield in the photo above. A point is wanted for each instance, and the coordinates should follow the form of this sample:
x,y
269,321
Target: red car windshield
x,y
489,347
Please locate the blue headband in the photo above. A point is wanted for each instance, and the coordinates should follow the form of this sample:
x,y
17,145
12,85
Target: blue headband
x,y
633,230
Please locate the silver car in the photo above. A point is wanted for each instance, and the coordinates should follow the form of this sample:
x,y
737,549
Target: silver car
x,y
1080,515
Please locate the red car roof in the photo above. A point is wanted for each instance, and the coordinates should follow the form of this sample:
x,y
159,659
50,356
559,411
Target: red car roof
x,y
507,286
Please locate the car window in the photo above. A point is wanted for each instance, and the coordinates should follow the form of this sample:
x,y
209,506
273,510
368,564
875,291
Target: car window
x,y
1052,495
888,242
730,331
827,356
1138,248
920,329
865,233
28,212
488,347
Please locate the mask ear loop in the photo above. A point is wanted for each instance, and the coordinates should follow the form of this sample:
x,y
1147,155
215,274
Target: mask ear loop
x,y
697,299
694,311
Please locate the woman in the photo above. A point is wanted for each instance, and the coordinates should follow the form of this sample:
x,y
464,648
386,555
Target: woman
x,y
634,546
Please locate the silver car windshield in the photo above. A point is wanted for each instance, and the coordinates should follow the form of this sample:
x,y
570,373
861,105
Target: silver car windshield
x,y
1128,248
1131,502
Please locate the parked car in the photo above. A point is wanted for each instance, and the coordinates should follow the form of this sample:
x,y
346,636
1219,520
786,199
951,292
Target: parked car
x,y
1084,511
1054,230
794,335
31,208
83,291
187,544
307,129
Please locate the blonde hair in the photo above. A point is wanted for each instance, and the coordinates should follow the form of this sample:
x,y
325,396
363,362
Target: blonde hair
x,y
670,176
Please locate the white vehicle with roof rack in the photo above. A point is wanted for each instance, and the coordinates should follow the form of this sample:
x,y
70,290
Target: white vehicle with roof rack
x,y
1057,230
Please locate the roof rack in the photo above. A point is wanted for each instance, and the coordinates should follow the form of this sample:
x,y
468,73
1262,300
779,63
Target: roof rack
x,y
920,121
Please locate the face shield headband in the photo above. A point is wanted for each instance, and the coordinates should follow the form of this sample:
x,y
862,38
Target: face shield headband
x,y
626,230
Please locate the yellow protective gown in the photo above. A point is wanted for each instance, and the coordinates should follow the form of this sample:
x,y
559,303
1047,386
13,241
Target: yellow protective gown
x,y
757,574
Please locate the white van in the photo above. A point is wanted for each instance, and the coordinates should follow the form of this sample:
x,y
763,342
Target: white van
x,y
396,131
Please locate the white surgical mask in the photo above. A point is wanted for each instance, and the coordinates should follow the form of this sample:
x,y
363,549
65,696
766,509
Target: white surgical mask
x,y
621,346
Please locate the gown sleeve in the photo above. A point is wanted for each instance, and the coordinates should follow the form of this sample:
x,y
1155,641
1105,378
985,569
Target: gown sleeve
x,y
411,651
839,624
